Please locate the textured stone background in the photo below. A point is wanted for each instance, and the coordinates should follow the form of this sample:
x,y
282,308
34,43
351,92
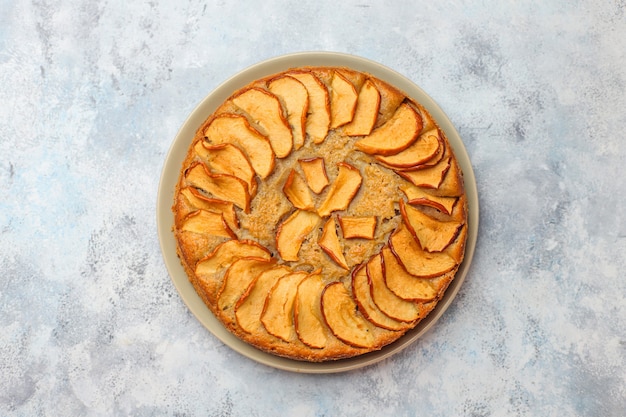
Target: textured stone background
x,y
91,97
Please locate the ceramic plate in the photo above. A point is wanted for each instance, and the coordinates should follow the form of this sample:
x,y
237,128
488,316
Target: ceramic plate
x,y
178,151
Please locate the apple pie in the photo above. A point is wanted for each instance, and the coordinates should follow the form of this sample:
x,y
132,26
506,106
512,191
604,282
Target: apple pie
x,y
320,213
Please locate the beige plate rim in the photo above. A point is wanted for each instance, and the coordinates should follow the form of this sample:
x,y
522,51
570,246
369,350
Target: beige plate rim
x,y
176,155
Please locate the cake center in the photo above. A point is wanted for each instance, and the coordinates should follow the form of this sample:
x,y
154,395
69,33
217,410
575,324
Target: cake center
x,y
334,211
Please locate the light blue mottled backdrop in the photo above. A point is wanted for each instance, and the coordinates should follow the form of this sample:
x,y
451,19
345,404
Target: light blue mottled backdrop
x,y
91,97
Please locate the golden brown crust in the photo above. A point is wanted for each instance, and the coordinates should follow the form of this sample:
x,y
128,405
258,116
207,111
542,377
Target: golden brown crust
x,y
377,195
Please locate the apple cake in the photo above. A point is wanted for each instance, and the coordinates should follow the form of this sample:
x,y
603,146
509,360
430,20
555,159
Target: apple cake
x,y
320,213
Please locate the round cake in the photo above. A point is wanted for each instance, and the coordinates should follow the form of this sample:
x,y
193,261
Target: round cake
x,y
320,213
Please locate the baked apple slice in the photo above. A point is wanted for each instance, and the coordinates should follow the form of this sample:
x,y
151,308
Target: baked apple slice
x,y
296,101
394,136
415,260
430,177
226,158
441,153
366,111
227,208
250,305
403,284
343,99
389,303
390,101
235,129
297,192
341,315
427,120
208,222
237,279
457,249
459,211
277,316
314,173
221,186
329,242
363,297
308,319
265,110
342,190
417,196
292,232
422,150
318,118
452,184
228,252
358,227
433,235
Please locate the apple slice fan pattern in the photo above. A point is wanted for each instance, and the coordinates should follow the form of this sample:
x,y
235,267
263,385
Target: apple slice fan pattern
x,y
320,213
